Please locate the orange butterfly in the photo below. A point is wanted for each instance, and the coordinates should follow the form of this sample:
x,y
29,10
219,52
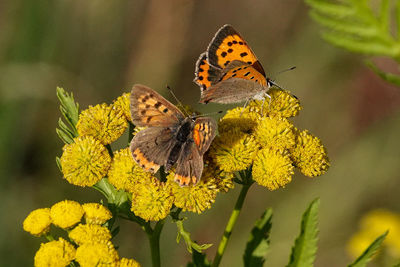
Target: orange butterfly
x,y
229,72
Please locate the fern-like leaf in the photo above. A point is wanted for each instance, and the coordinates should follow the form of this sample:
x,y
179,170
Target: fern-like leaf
x,y
305,247
70,111
366,256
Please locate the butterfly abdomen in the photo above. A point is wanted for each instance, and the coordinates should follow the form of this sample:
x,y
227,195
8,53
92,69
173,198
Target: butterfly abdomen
x,y
181,137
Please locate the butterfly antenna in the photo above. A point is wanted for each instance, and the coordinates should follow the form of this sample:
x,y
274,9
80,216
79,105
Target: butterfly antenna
x,y
207,114
285,70
177,100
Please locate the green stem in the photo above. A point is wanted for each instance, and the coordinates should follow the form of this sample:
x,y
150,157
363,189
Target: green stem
x,y
231,223
154,239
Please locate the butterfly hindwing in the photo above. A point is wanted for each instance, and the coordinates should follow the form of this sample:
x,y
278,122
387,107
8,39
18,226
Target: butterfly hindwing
x,y
189,165
204,131
148,108
227,46
151,147
205,73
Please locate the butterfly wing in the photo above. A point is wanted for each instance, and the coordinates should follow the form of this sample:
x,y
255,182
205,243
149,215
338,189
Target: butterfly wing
x,y
238,82
149,108
228,45
205,73
151,147
190,161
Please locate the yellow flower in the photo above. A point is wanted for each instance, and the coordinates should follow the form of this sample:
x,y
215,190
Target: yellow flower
x,y
372,225
85,162
223,180
89,234
275,132
272,169
97,254
151,199
283,103
233,150
195,198
66,214
124,262
38,222
96,213
103,122
55,254
125,172
239,118
309,155
122,103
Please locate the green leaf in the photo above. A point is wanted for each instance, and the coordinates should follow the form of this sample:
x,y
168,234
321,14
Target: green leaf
x,y
330,9
58,162
389,77
366,256
258,243
305,246
70,111
199,260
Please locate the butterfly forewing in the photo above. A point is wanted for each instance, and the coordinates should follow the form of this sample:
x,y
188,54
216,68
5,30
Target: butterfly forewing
x,y
148,108
205,74
227,46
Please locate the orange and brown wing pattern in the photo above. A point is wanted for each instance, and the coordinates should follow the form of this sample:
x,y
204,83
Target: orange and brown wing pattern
x,y
148,108
227,46
205,74
246,72
203,133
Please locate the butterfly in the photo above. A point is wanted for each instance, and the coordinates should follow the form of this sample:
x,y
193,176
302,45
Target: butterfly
x,y
171,137
229,72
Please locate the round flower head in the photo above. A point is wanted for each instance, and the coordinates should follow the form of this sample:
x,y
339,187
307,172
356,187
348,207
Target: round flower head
x,y
223,180
124,262
151,199
309,155
283,103
122,103
66,214
89,234
55,253
272,169
103,122
38,222
239,118
275,132
195,198
233,150
97,254
85,162
125,172
96,213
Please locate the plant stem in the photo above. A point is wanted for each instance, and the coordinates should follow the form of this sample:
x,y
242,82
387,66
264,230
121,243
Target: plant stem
x,y
231,223
154,239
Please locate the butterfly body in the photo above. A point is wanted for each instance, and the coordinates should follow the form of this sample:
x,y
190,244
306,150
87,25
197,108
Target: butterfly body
x,y
229,71
171,138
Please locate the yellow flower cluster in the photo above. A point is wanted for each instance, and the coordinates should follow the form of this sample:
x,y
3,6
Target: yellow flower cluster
x,y
86,161
372,225
261,136
90,243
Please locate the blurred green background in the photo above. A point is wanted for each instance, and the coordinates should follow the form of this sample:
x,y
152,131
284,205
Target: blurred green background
x,y
99,49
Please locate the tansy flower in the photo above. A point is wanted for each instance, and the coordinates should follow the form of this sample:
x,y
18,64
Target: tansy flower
x,y
55,254
283,103
97,254
85,162
124,262
233,150
103,122
151,199
122,103
223,180
372,225
89,234
38,222
239,118
66,214
195,198
275,132
125,172
309,155
272,169
96,213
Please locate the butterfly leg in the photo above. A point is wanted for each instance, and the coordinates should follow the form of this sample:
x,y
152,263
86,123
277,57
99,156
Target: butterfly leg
x,y
245,105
